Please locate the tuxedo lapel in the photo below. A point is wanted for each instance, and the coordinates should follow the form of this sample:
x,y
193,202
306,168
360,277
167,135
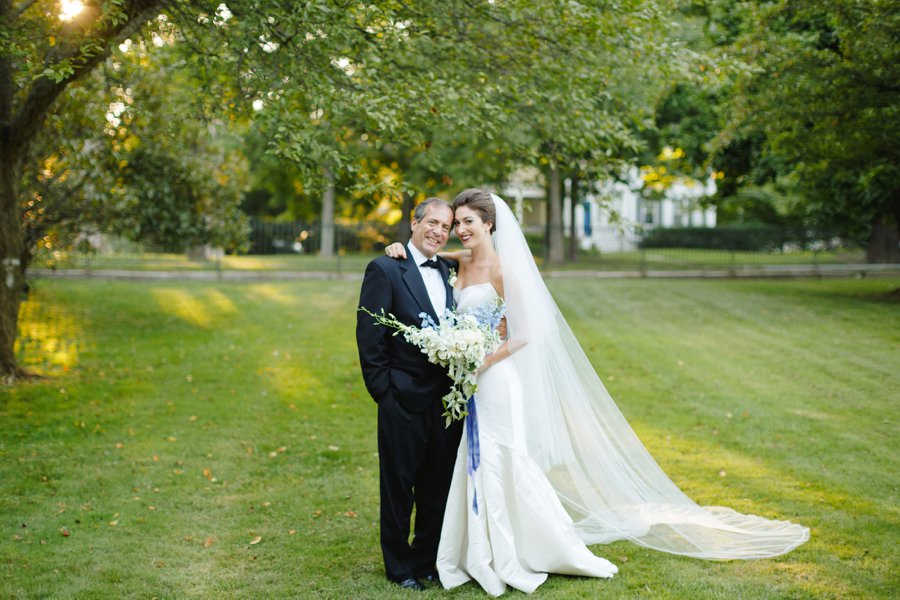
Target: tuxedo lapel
x,y
445,275
413,280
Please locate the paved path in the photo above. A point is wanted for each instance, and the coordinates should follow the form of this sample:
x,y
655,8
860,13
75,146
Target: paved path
x,y
759,271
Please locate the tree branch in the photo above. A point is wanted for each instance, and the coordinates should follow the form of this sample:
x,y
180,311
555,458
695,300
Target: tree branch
x,y
17,12
44,91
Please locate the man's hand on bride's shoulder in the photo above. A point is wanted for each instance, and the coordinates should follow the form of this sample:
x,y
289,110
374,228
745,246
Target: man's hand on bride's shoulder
x,y
396,250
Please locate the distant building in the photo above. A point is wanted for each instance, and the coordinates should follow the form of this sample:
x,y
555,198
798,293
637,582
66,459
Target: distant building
x,y
613,214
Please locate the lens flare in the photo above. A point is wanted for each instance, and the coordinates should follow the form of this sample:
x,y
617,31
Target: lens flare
x,y
69,9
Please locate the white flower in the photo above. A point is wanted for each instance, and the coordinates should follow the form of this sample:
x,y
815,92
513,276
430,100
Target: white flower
x,y
458,342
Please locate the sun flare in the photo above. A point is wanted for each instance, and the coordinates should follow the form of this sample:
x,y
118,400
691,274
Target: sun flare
x,y
69,9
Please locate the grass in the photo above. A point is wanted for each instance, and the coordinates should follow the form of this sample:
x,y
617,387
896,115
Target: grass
x,y
209,440
651,259
663,259
152,261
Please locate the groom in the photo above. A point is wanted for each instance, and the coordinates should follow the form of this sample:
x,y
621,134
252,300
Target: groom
x,y
415,451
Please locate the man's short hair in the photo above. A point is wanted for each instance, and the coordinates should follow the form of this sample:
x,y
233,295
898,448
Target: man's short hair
x,y
422,207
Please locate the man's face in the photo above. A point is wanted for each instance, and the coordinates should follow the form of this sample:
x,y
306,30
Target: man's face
x,y
431,233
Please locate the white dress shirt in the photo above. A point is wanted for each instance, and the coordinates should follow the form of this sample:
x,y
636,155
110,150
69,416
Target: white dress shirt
x,y
434,281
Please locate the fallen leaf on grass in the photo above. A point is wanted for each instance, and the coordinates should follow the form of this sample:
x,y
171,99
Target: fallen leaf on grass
x,y
256,540
64,532
209,542
317,514
292,532
351,514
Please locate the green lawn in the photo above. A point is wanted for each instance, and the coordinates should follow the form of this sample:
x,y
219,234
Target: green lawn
x,y
214,440
655,259
671,259
155,261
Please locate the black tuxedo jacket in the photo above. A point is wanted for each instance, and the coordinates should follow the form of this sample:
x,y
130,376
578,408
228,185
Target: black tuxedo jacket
x,y
391,365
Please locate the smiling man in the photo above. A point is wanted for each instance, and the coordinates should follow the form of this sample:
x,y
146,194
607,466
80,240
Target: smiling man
x,y
415,451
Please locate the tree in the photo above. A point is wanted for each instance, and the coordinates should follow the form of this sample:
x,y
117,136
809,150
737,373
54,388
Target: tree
x,y
582,96
134,153
329,81
824,97
333,58
39,57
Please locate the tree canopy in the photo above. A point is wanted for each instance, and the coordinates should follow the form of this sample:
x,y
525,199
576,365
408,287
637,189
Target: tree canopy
x,y
152,118
325,83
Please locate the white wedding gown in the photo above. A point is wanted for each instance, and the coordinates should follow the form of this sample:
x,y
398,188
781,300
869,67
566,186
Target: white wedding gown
x,y
520,530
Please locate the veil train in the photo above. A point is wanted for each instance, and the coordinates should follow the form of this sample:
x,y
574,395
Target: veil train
x,y
605,478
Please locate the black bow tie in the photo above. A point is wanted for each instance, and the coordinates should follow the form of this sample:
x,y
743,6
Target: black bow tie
x,y
430,263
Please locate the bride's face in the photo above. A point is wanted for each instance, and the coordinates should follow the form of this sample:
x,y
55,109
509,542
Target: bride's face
x,y
470,228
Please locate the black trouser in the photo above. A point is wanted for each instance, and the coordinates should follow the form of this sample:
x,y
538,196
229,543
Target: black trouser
x,y
416,454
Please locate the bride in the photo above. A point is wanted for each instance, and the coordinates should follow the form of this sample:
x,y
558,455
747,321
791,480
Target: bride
x,y
547,463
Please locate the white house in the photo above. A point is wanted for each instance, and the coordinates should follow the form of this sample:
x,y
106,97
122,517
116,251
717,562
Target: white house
x,y
613,214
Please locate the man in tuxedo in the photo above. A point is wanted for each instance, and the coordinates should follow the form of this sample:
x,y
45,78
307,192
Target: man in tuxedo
x,y
415,451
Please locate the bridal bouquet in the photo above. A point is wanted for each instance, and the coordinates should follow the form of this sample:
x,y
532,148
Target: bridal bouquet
x,y
459,342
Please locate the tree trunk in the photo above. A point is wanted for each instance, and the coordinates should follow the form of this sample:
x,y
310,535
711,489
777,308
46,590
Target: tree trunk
x,y
403,230
573,228
883,241
12,258
326,248
556,253
19,124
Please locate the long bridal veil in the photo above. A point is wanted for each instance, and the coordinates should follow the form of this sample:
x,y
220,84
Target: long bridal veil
x,y
607,481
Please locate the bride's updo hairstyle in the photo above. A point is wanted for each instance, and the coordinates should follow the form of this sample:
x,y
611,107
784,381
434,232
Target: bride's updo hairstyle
x,y
479,201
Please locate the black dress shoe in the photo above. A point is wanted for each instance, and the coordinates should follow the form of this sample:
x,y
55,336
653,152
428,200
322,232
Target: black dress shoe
x,y
410,583
430,579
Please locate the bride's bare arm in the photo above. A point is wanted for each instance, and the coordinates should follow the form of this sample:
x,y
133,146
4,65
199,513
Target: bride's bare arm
x,y
504,350
458,256
398,250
